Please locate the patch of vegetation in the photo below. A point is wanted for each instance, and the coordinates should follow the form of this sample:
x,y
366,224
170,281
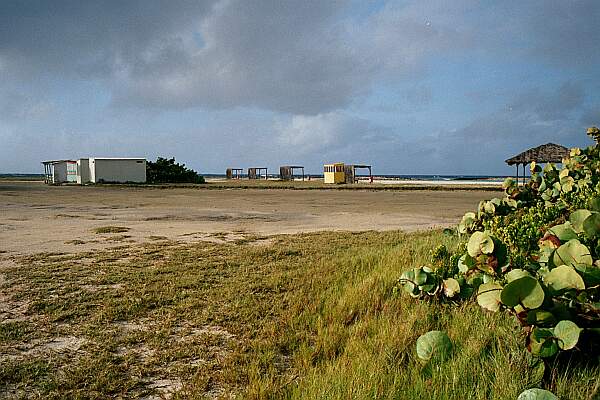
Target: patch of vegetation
x,y
536,254
111,229
309,316
168,171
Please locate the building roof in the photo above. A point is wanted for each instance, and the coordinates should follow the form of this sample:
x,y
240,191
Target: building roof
x,y
117,158
546,153
292,166
52,162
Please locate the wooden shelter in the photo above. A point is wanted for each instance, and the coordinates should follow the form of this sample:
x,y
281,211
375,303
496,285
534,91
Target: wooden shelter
x,y
343,173
256,173
286,172
546,153
351,176
234,173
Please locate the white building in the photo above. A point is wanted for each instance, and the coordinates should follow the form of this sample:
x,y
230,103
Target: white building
x,y
96,170
60,171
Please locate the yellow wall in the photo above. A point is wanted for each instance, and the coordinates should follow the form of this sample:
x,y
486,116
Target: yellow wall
x,y
334,173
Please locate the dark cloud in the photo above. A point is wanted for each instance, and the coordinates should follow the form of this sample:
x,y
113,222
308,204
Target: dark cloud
x,y
304,68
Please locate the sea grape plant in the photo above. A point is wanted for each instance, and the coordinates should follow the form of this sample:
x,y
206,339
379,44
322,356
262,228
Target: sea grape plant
x,y
534,253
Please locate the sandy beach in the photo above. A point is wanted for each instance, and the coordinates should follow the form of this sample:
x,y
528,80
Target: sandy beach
x,y
37,218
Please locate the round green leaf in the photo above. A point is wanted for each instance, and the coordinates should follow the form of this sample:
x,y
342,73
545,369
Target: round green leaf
x,y
567,334
488,296
541,318
591,225
572,253
407,279
537,394
420,276
434,345
515,274
542,343
576,218
589,273
480,243
467,222
564,232
525,291
451,287
465,262
564,278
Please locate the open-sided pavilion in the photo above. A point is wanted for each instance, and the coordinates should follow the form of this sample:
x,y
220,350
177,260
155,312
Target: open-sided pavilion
x,y
546,153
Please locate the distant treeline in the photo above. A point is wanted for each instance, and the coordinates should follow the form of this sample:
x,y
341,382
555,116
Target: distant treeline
x,y
168,171
22,177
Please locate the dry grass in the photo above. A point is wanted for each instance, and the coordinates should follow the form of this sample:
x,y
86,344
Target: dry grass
x,y
307,316
111,229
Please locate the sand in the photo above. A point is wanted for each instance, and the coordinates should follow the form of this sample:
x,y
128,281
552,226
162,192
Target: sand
x,y
38,218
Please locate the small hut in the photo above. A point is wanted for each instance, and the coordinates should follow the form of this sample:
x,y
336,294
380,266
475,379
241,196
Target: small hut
x,y
234,173
257,173
343,173
546,153
286,172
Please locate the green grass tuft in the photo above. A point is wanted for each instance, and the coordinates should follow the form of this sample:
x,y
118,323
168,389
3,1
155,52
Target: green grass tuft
x,y
111,229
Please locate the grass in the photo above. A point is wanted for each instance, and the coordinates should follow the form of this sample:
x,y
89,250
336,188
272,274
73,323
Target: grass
x,y
319,185
111,229
308,316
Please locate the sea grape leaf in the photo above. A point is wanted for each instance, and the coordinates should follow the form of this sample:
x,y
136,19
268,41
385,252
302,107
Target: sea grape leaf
x,y
542,343
451,287
564,232
541,318
567,334
576,219
434,345
589,273
594,204
480,243
525,291
537,394
420,276
516,274
465,263
564,278
467,222
408,279
488,296
591,225
572,253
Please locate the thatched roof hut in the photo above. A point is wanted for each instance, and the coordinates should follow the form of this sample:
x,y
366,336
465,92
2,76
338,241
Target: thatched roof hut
x,y
546,153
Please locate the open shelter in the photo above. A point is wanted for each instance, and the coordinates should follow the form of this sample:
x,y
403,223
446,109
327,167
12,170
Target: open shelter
x,y
60,171
546,153
234,173
286,172
256,172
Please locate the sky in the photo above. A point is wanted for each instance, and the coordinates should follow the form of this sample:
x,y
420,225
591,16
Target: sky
x,y
411,87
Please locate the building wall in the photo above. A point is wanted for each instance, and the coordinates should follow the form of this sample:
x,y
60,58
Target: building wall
x,y
59,172
334,173
83,171
72,172
117,170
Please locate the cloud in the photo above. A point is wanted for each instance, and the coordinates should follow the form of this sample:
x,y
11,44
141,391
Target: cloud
x,y
276,80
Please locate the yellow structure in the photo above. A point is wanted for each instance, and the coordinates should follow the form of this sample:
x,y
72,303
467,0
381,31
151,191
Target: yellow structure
x,y
334,173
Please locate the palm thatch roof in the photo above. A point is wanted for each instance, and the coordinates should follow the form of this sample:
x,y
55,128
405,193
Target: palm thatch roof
x,y
546,153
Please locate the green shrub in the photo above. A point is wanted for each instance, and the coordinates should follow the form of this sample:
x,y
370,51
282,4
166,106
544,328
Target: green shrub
x,y
534,253
168,171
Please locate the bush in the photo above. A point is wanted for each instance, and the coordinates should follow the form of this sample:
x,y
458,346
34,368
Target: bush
x,y
168,171
534,253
